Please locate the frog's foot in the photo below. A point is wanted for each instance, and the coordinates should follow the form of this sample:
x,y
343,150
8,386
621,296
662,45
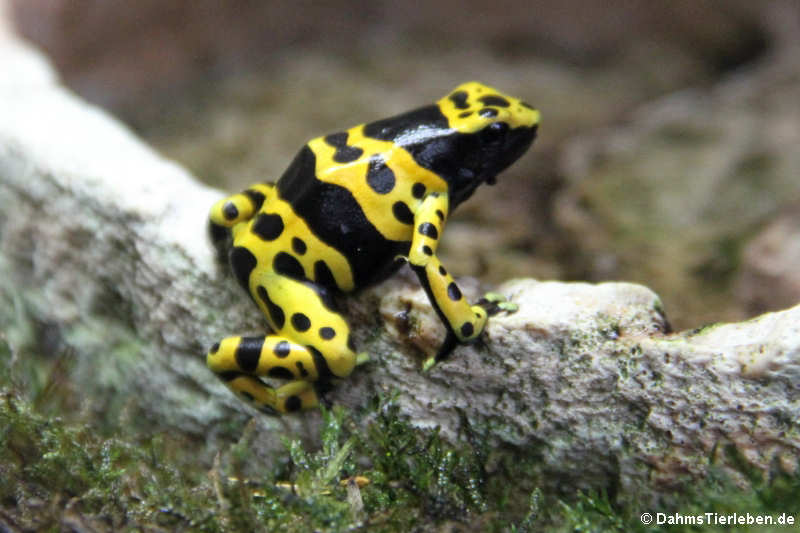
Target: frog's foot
x,y
447,347
288,398
240,362
491,304
362,358
495,303
429,363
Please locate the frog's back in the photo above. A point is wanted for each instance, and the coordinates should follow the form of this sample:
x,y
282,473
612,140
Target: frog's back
x,y
332,212
356,191
347,203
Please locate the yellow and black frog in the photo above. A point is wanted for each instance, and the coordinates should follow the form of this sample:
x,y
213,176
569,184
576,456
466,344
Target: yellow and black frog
x,y
350,209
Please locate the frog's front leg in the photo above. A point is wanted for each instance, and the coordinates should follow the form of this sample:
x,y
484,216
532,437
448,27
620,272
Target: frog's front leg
x,y
464,322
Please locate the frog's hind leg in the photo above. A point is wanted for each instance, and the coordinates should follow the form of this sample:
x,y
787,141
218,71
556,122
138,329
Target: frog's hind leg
x,y
311,344
305,313
239,361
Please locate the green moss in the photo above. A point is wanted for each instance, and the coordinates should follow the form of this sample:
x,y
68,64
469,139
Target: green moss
x,y
718,495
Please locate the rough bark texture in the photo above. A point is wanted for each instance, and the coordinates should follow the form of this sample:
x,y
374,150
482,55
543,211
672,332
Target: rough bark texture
x,y
105,241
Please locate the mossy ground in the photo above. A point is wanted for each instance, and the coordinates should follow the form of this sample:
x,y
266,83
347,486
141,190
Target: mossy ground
x,y
66,468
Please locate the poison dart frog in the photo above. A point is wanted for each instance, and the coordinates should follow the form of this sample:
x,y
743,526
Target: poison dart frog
x,y
350,209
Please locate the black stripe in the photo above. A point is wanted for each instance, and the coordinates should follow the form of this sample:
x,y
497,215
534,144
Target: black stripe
x,y
344,153
324,294
280,372
323,370
242,263
288,265
219,234
423,280
323,275
248,353
256,198
274,310
407,124
323,206
229,375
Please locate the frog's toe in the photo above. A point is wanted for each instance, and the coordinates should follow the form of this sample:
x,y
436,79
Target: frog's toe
x,y
362,358
494,297
508,307
494,303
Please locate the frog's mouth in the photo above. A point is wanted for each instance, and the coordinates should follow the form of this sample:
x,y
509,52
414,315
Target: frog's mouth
x,y
516,143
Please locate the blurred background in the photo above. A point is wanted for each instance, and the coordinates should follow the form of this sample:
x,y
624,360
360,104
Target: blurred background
x,y
667,153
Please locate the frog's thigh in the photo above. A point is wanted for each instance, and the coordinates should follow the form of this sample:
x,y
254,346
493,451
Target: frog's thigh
x,y
237,361
305,313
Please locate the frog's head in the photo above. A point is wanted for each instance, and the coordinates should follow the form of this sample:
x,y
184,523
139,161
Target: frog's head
x,y
491,130
467,138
